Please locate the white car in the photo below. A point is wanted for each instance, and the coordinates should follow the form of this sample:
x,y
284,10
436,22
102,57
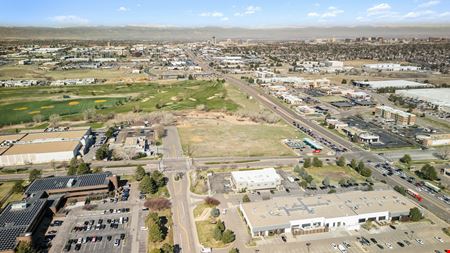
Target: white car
x,y
389,245
419,241
334,245
439,239
117,242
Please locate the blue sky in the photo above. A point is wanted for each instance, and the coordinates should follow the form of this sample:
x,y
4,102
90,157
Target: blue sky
x,y
228,13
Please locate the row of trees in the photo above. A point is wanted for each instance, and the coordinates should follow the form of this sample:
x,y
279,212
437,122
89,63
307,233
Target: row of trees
x,y
150,182
316,162
223,234
157,230
78,167
361,168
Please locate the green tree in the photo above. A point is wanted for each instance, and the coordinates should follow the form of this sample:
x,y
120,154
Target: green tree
x,y
34,174
155,234
83,169
218,230
245,198
110,132
167,248
415,214
103,152
140,173
25,247
341,161
317,162
309,179
153,186
18,187
353,164
361,166
144,185
215,212
228,236
307,163
326,181
303,184
428,172
406,159
234,250
72,171
297,169
159,178
366,172
400,189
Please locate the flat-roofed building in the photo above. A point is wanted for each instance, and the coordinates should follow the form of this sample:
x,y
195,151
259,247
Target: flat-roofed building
x,y
305,215
43,147
398,116
19,222
400,84
434,139
253,180
74,186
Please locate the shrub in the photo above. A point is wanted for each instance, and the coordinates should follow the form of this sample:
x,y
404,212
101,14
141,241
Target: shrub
x,y
158,204
245,198
212,201
228,236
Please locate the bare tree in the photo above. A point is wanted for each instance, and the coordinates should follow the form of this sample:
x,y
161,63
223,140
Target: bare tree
x,y
54,120
89,114
159,131
37,118
444,152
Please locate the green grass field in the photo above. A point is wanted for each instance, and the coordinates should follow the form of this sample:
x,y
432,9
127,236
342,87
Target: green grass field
x,y
20,108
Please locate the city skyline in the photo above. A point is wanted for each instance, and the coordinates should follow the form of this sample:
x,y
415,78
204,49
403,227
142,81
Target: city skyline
x,y
233,13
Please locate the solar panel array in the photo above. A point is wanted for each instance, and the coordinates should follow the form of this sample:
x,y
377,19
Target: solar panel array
x,y
8,237
53,183
21,217
14,222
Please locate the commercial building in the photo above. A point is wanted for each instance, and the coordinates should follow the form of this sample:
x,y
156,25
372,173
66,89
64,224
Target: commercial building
x,y
43,147
253,180
389,67
400,84
305,215
398,116
360,135
78,186
434,139
19,222
439,98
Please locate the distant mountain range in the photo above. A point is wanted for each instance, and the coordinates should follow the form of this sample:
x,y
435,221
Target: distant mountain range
x,y
203,33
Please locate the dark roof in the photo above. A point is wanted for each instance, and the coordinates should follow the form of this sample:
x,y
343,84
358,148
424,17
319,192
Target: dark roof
x,y
364,102
18,218
53,183
341,104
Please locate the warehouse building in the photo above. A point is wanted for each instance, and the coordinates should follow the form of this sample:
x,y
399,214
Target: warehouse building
x,y
44,147
323,213
253,180
401,84
439,98
398,116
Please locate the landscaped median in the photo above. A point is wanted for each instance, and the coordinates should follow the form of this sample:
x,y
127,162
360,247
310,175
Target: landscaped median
x,y
212,232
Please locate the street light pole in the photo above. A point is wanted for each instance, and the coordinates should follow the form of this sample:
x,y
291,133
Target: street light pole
x,y
308,244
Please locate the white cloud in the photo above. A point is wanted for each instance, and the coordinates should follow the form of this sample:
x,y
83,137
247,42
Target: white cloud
x,y
429,3
214,14
250,10
330,12
378,9
225,19
418,14
445,14
122,8
69,20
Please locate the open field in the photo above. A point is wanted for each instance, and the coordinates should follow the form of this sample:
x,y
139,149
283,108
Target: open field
x,y
220,138
5,190
205,230
330,99
334,173
33,72
110,99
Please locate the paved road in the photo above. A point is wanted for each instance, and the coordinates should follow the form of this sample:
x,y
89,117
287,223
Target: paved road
x,y
171,143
